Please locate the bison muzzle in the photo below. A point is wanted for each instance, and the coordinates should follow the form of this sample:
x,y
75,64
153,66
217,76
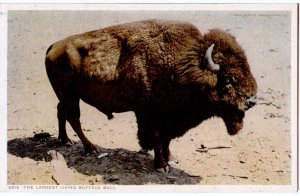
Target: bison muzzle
x,y
169,74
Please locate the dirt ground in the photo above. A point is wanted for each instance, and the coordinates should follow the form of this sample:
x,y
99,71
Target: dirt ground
x,y
259,155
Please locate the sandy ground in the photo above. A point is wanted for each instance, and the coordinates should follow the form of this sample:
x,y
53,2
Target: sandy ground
x,y
259,155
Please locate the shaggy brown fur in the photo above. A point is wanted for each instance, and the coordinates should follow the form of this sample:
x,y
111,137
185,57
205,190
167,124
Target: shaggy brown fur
x,y
156,69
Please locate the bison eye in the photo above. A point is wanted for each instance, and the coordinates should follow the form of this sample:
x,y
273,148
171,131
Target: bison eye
x,y
226,83
228,80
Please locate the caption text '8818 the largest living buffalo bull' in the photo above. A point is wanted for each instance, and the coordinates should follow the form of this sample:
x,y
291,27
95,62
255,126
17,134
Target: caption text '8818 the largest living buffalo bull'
x,y
169,74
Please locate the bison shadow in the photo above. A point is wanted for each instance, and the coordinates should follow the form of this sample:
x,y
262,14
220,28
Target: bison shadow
x,y
119,166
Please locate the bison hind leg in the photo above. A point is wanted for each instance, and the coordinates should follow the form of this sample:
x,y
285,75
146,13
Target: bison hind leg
x,y
72,112
62,118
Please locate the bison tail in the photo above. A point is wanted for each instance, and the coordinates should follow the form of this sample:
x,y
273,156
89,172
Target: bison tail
x,y
65,54
74,57
50,47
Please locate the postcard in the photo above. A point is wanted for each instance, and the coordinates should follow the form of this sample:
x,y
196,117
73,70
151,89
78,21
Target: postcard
x,y
148,97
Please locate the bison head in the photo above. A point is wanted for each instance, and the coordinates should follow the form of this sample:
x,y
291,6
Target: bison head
x,y
236,88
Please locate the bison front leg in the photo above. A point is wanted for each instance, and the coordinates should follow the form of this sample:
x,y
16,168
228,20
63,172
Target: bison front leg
x,y
163,158
159,162
168,157
150,138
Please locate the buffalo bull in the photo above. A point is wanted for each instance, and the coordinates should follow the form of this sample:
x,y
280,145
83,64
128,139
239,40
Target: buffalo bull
x,y
168,73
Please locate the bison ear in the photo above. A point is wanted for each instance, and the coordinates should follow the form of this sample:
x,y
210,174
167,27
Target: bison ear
x,y
208,60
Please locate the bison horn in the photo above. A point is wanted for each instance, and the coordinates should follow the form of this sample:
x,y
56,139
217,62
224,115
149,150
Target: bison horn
x,y
212,66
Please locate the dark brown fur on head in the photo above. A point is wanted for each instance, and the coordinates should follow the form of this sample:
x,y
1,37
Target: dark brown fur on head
x,y
235,83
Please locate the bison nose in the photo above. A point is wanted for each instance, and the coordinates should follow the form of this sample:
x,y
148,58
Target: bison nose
x,y
251,102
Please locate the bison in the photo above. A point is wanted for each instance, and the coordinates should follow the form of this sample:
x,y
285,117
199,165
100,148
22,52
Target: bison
x,y
168,73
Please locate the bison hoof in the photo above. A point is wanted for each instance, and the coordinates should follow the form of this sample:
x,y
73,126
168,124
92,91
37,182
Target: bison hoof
x,y
69,144
95,151
173,162
164,170
66,142
143,151
91,149
92,153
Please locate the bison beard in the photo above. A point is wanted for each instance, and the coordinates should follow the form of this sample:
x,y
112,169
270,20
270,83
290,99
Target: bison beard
x,y
234,121
169,74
